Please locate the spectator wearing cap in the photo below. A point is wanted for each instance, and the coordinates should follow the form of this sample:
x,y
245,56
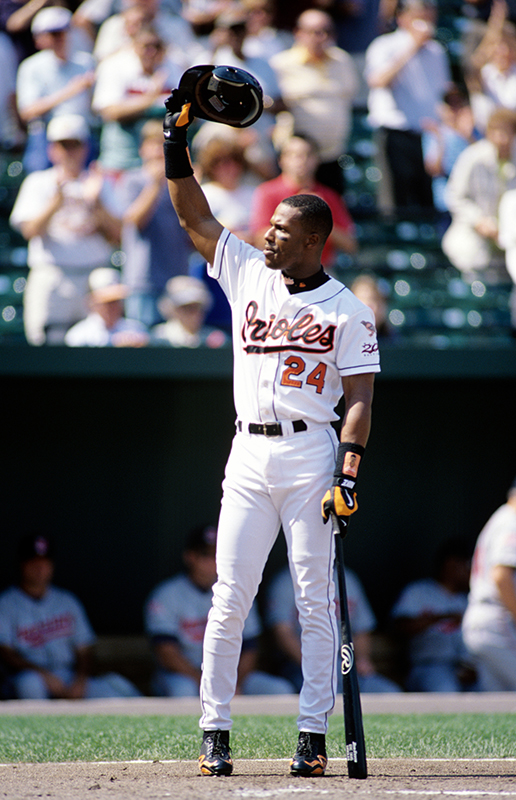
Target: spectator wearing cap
x,y
175,618
407,72
56,80
106,325
46,640
69,216
184,306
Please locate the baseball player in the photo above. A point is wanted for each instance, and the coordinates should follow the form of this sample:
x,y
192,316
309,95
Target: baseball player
x,y
489,624
300,340
45,636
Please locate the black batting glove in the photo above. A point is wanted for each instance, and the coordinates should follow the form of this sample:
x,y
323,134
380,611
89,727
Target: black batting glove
x,y
175,126
341,499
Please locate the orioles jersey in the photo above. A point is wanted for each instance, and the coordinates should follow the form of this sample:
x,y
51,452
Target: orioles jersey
x,y
291,350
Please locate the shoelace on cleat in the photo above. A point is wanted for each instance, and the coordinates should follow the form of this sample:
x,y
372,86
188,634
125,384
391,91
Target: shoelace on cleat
x,y
304,747
216,746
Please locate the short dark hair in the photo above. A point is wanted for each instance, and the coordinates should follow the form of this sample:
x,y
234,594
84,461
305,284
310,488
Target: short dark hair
x,y
314,211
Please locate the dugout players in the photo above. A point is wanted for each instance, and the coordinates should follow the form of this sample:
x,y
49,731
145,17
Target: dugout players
x,y
45,636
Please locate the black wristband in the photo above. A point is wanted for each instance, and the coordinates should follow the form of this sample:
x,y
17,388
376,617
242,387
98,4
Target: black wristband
x,y
177,160
341,461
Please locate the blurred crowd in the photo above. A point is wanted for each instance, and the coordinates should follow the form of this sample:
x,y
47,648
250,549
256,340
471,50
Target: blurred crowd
x,y
82,103
451,629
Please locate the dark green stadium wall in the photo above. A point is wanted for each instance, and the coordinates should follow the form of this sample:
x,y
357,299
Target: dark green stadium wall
x,y
118,469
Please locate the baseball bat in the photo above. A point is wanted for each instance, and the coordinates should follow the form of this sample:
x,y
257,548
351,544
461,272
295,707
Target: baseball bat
x,y
353,725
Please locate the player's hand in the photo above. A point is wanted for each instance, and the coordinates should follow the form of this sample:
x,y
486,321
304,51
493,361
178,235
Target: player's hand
x,y
340,500
177,118
175,126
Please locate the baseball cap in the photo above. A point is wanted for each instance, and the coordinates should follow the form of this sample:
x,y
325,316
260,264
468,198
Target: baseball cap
x,y
53,18
33,545
181,291
68,127
201,539
105,285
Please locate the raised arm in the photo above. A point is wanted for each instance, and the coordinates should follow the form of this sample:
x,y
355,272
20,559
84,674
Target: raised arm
x,y
187,196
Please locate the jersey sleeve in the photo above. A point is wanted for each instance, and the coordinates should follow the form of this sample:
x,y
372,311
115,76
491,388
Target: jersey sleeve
x,y
357,347
232,258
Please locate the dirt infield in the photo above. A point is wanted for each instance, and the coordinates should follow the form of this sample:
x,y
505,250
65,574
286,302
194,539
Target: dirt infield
x,y
388,780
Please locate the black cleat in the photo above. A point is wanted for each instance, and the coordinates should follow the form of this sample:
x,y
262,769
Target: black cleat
x,y
215,756
310,757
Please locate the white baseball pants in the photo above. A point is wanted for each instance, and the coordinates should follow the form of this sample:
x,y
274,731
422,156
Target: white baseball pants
x,y
274,481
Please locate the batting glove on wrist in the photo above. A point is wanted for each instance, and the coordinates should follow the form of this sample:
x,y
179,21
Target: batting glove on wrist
x,y
341,500
175,126
177,118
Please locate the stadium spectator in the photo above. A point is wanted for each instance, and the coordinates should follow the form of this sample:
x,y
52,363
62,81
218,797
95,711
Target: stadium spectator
x,y
175,619
407,72
490,69
507,241
282,620
46,640
155,246
230,37
228,183
479,178
318,82
443,141
131,88
69,216
298,161
489,625
118,30
184,306
12,135
372,292
428,615
57,80
264,39
106,325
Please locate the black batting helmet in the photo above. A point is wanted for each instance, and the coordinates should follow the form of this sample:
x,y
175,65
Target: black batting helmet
x,y
222,94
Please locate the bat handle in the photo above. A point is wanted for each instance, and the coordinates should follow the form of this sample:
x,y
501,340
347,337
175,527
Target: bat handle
x,y
337,525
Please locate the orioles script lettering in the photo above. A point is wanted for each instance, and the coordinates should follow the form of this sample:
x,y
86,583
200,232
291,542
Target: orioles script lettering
x,y
302,335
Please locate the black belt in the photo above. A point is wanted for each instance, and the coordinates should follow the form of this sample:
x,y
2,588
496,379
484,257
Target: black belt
x,y
274,428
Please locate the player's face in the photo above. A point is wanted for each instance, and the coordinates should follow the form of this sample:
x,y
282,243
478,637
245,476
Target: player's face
x,y
286,242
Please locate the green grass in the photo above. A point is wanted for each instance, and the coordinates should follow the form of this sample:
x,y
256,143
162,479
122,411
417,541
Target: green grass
x,y
124,738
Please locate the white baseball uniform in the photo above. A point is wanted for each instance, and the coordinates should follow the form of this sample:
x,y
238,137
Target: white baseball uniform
x,y
291,350
489,629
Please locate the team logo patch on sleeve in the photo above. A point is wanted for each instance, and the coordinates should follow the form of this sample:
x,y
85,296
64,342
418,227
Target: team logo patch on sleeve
x,y
369,327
